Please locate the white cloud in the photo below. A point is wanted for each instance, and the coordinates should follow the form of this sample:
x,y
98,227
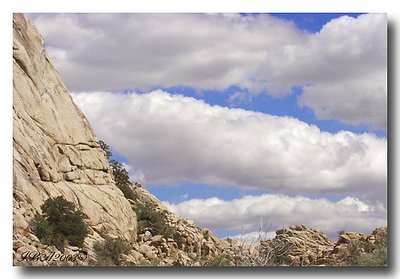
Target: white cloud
x,y
135,174
173,138
342,68
254,237
281,211
361,206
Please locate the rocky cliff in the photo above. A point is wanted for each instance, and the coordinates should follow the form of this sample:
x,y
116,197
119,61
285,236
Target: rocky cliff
x,y
55,150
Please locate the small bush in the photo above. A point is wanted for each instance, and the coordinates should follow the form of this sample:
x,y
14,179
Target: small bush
x,y
60,224
222,260
378,257
127,191
153,262
106,148
150,219
121,179
110,250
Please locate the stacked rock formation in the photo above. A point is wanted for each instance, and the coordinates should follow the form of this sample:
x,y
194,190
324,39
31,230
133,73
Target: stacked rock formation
x,y
301,246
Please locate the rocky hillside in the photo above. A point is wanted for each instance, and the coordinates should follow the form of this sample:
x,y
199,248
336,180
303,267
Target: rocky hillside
x,y
56,154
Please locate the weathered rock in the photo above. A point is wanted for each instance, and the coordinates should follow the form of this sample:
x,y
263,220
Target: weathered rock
x,y
149,252
193,242
157,240
297,246
55,150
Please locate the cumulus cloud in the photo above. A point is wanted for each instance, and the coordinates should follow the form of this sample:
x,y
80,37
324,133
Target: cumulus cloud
x,y
173,138
342,68
244,214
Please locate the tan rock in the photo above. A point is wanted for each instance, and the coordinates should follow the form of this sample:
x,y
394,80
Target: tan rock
x,y
55,150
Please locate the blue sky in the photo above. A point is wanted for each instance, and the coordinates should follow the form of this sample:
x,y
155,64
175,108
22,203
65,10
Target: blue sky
x,y
188,104
312,22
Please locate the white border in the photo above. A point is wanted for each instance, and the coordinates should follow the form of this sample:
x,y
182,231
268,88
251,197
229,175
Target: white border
x,y
7,7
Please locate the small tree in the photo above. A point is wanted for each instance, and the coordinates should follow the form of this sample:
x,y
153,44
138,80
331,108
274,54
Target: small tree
x,y
150,219
106,148
121,179
59,224
121,176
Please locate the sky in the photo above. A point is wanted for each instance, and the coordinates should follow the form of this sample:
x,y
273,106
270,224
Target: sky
x,y
231,119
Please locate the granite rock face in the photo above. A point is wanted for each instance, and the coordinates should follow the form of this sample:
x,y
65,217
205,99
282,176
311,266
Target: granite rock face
x,y
55,151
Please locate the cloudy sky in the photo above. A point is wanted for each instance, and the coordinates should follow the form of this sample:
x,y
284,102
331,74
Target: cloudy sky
x,y
232,119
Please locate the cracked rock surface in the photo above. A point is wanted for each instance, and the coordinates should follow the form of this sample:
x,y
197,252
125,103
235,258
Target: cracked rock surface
x,y
55,151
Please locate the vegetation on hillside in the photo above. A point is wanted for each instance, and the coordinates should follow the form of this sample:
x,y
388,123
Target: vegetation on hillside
x,y
149,218
152,220
109,251
60,224
120,174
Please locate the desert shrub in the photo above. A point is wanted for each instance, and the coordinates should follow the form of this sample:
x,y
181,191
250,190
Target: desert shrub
x,y
223,259
127,191
356,249
106,148
363,253
121,179
377,257
153,262
60,224
120,174
150,219
109,251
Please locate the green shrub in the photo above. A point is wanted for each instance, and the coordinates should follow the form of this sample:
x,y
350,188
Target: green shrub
x,y
222,260
378,257
121,179
153,262
60,224
150,219
106,148
121,176
110,250
127,191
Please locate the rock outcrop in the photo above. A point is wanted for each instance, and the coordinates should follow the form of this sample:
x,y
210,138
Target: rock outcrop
x,y
190,245
55,150
301,246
